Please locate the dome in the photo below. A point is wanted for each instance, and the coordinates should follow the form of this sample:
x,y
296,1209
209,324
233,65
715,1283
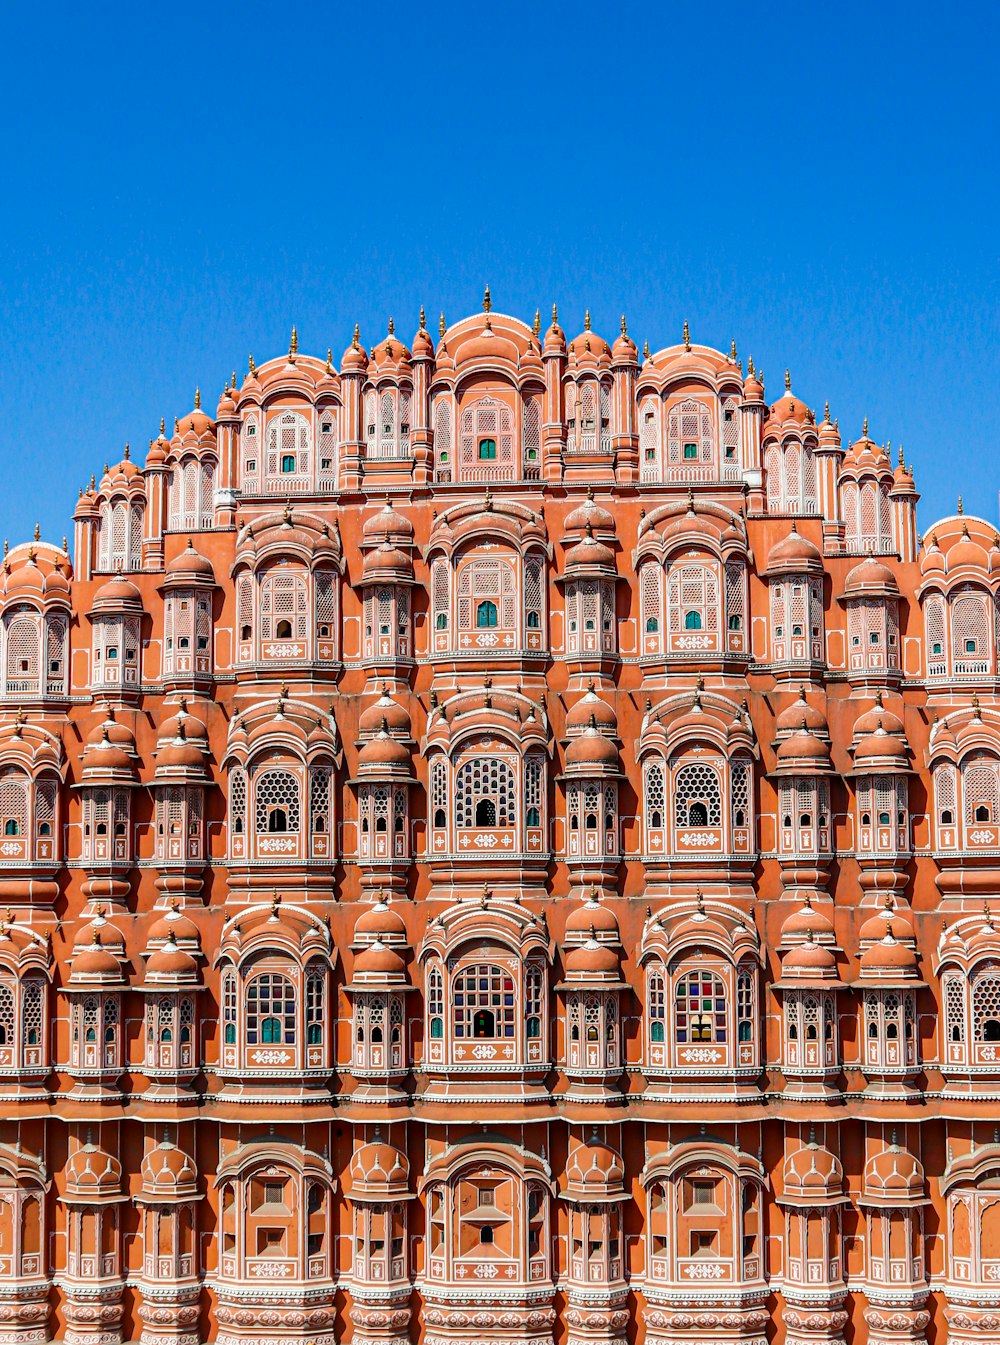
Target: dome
x,y
170,965
600,520
965,553
882,749
104,759
384,755
381,1170
355,359
93,1175
555,337
804,748
387,525
96,965
889,957
875,926
794,554
377,964
809,960
802,716
592,918
871,577
191,564
179,756
812,1175
380,923
624,349
871,720
806,923
387,563
588,347
385,712
591,709
594,1170
117,595
194,730
590,554
592,960
591,748
893,1177
173,926
168,1174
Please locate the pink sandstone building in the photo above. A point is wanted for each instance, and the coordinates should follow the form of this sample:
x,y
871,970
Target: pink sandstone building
x,y
501,844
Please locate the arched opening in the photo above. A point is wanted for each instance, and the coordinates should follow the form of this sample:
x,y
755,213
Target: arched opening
x,y
283,630
698,815
692,621
486,614
484,1023
486,813
277,820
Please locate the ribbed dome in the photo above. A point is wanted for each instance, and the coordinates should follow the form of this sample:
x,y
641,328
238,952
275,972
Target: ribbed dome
x,y
590,707
801,714
93,1175
169,1174
380,1170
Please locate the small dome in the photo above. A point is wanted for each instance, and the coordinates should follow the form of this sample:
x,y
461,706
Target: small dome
x,y
180,756
168,1173
595,1169
794,554
386,563
601,520
875,927
590,554
591,748
591,708
803,747
193,729
810,959
871,577
355,358
93,1175
624,349
592,918
812,1174
387,711
871,720
888,956
191,564
880,748
173,926
593,959
589,348
378,963
96,965
555,338
380,923
804,922
171,965
387,525
380,1169
894,1176
104,758
382,754
967,554
118,595
801,715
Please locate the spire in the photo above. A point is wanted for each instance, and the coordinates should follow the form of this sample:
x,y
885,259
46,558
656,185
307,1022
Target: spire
x,y
732,351
687,335
442,326
826,412
750,372
645,350
961,507
536,326
38,532
487,300
423,319
586,321
788,381
252,366
864,428
624,326
329,360
392,327
293,345
197,399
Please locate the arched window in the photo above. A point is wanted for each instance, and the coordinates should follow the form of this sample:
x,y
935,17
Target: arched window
x,y
486,614
656,1007
270,1010
277,802
697,796
289,450
986,1003
485,787
654,796
487,441
483,1003
699,1008
284,609
692,621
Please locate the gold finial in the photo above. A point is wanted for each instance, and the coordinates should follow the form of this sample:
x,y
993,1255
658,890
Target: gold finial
x,y
826,412
586,321
487,301
253,367
128,450
645,350
732,351
197,399
93,481
356,338
38,532
423,319
961,507
329,360
234,380
442,326
392,327
163,427
750,372
293,345
788,381
687,335
902,461
65,544
864,428
537,324
624,326
555,316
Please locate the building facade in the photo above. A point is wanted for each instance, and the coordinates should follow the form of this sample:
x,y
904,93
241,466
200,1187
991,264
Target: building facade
x,y
501,844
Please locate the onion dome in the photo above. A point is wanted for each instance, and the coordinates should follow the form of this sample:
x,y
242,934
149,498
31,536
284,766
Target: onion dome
x,y
555,337
173,926
379,1171
388,525
593,963
190,567
932,557
881,751
384,758
158,449
379,923
387,564
812,1176
600,520
355,358
809,963
106,762
589,348
590,707
178,760
194,730
377,966
168,1176
590,558
171,968
96,963
794,554
803,752
965,553
893,1177
117,595
195,422
876,926
385,712
790,408
423,342
871,579
624,350
590,753
93,1176
801,715
869,721
120,476
226,410
37,572
808,924
753,387
592,919
888,959
829,431
595,1172
390,357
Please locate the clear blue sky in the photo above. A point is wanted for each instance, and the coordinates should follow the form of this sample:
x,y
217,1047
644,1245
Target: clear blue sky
x,y
180,184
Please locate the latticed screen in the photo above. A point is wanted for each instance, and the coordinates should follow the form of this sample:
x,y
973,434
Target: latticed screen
x,y
954,1004
237,800
277,800
13,802
690,428
270,1010
969,627
32,1003
697,796
23,652
651,578
483,1001
319,799
488,420
700,1008
289,444
654,794
284,602
649,439
486,582
934,626
693,597
315,996
485,793
979,788
986,1003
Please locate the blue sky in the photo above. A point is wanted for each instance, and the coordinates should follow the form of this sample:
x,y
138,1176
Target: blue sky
x,y
180,184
